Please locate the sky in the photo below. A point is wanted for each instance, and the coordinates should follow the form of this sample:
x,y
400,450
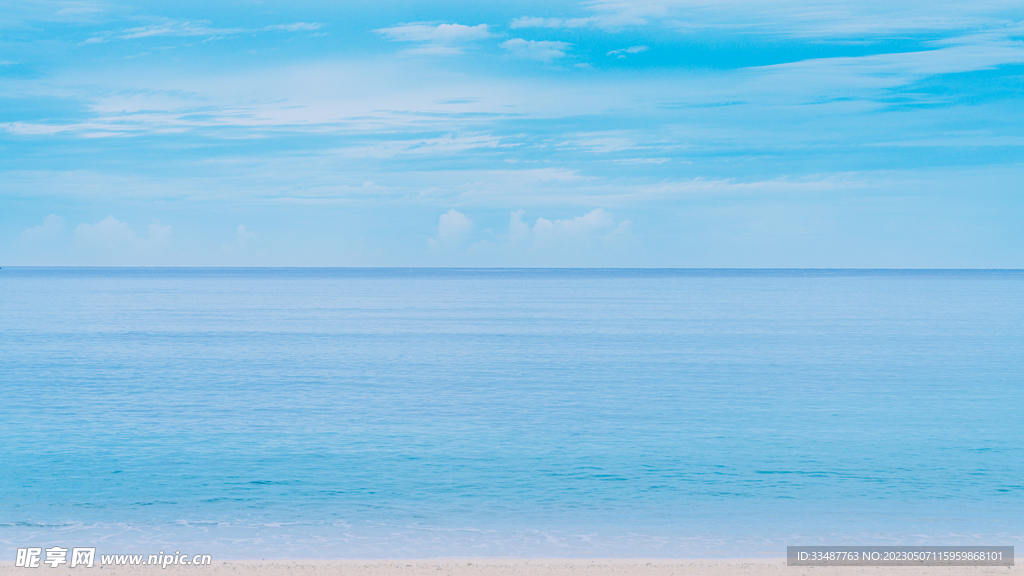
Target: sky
x,y
655,133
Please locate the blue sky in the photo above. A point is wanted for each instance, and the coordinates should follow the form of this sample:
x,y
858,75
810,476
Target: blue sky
x,y
652,133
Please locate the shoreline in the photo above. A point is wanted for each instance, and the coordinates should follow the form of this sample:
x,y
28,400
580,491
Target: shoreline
x,y
527,567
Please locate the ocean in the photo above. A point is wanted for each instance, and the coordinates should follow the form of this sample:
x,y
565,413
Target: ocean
x,y
404,413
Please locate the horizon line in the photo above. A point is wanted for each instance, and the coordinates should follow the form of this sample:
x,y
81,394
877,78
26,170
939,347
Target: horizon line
x,y
807,269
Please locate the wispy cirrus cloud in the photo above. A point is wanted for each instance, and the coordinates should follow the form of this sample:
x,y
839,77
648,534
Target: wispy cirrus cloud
x,y
436,38
30,14
621,53
542,50
606,15
295,27
777,102
829,18
793,19
79,8
534,22
200,28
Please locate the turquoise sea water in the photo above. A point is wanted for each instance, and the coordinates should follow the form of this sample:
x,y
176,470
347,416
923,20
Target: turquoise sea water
x,y
302,413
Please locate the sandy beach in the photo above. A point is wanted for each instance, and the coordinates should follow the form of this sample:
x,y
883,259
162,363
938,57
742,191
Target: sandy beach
x,y
518,567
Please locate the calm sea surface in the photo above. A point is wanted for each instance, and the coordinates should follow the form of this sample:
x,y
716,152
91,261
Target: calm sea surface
x,y
273,413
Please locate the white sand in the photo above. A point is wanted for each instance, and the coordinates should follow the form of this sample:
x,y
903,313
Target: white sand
x,y
499,567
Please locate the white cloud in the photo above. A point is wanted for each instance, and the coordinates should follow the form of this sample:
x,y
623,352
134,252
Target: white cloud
x,y
795,18
448,143
621,53
109,241
51,229
110,232
107,233
195,28
619,13
543,50
296,27
201,28
596,225
243,235
801,18
452,229
243,238
159,235
608,15
531,22
113,241
399,93
40,245
591,239
79,9
436,38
